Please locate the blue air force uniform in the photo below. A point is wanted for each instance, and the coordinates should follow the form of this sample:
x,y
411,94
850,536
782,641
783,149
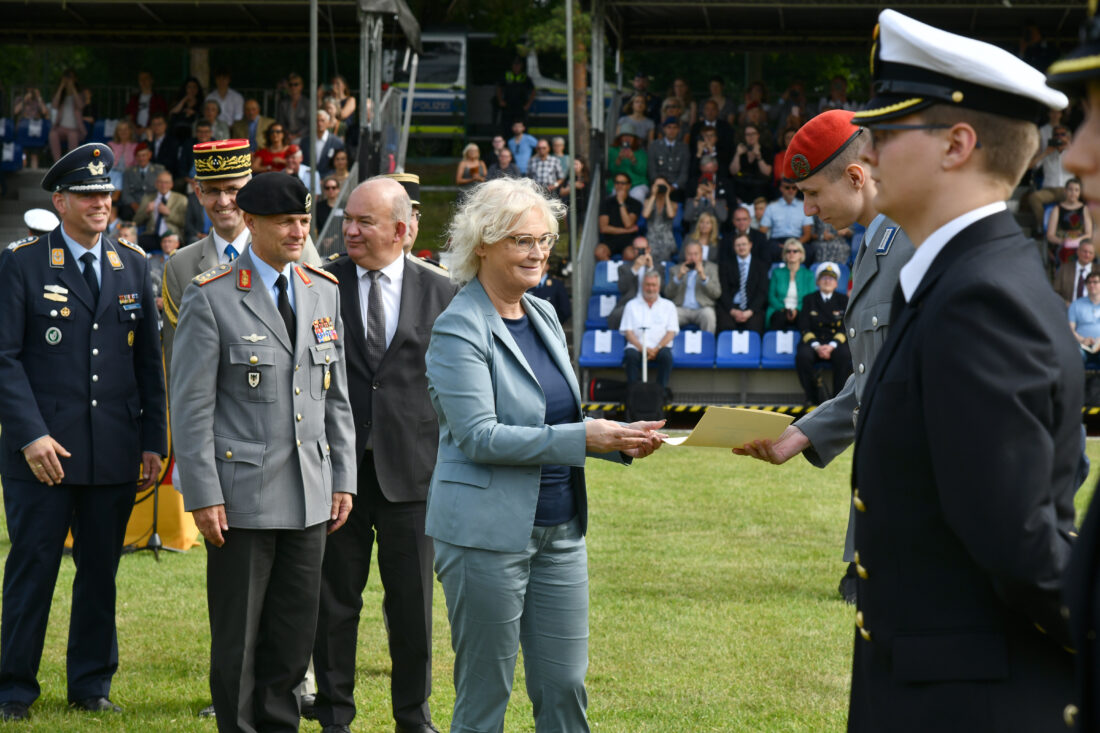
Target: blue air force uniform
x,y
88,373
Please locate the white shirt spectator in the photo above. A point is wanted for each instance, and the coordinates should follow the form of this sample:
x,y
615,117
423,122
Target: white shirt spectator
x,y
232,105
657,320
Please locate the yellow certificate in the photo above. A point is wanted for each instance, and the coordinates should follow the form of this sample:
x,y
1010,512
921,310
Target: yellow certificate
x,y
732,427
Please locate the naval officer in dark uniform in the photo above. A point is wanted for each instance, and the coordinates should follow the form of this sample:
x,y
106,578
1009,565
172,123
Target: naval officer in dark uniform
x,y
83,413
968,440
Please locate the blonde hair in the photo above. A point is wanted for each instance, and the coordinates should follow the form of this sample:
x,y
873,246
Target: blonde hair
x,y
488,213
792,242
712,238
470,146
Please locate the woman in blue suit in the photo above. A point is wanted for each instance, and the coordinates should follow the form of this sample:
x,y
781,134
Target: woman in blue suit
x,y
790,283
507,507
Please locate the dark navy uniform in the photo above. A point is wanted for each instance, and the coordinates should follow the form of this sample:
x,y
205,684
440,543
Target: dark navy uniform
x,y
89,376
822,322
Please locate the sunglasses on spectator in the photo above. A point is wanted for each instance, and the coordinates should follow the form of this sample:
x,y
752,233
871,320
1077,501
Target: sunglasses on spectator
x,y
792,251
332,187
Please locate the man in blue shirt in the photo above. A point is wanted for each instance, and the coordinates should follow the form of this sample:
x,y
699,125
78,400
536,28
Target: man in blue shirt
x,y
785,217
522,145
1084,321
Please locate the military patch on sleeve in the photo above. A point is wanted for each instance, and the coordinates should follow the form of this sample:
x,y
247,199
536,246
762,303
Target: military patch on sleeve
x,y
132,246
17,244
323,273
210,275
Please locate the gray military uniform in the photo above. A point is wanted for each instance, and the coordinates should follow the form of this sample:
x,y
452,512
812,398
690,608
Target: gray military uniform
x,y
831,427
272,447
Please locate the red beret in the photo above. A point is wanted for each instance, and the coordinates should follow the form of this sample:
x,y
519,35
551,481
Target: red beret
x,y
142,146
817,142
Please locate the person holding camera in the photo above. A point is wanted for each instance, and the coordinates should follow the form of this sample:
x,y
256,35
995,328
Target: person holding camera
x,y
694,289
631,272
1047,164
68,103
659,211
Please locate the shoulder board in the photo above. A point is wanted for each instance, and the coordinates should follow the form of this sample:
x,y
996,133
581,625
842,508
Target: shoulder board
x,y
17,244
430,266
211,275
323,273
132,246
335,256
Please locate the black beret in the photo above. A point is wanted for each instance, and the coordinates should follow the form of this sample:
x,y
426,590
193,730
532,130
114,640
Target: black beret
x,y
84,169
274,193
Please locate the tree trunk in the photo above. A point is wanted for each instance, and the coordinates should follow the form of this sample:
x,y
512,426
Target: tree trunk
x,y
580,105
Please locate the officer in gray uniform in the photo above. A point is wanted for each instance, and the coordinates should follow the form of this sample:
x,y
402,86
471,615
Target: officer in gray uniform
x,y
823,161
265,445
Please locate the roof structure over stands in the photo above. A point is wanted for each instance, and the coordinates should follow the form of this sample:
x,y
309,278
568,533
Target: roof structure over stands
x,y
746,24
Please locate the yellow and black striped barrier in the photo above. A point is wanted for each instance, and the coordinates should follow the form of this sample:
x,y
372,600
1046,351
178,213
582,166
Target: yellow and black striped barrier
x,y
677,408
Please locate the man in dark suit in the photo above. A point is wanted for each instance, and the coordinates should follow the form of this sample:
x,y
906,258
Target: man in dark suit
x,y
83,409
968,440
668,157
166,149
326,144
253,126
821,322
744,288
711,120
1070,280
1079,74
389,305
761,247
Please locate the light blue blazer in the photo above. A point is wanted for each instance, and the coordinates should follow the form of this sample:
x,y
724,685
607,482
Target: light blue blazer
x,y
493,440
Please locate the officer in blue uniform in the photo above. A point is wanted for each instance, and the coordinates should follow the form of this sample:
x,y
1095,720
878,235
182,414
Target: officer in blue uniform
x,y
82,406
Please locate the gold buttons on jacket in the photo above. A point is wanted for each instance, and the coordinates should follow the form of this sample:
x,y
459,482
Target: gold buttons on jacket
x,y
864,632
857,502
228,454
860,570
874,320
253,359
298,417
297,390
327,358
859,619
1069,715
299,443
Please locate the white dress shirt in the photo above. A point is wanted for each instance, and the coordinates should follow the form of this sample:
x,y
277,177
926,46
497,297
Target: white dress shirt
x,y
913,271
239,244
391,281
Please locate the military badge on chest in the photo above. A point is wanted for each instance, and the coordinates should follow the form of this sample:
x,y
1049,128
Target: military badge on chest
x,y
324,331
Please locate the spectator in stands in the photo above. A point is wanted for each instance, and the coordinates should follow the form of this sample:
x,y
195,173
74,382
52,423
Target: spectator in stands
x,y
504,166
727,110
721,143
1069,283
581,177
123,144
669,158
497,145
672,107
639,121
631,270
1047,164
544,169
127,230
335,126
144,104
821,322
659,211
710,194
187,110
230,102
744,293
641,87
838,96
756,97
649,324
705,145
138,181
1054,119
694,288
758,118
1084,321
89,114
749,166
32,108
161,211
790,283
705,234
759,206
166,149
330,188
1070,221
345,110
515,94
682,93
628,157
784,218
295,167
827,244
210,113
553,290
619,215
252,126
780,154
203,134
522,146
557,149
340,166
792,110
68,105
158,258
273,155
326,144
471,168
293,112
761,247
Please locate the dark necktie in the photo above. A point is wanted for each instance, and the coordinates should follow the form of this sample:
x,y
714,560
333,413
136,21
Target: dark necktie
x,y
162,199
376,322
284,307
89,275
743,287
1081,283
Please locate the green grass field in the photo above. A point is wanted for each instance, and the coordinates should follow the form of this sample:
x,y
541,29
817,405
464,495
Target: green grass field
x,y
714,608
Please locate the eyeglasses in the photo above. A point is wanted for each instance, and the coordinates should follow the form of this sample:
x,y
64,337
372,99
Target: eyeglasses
x,y
416,215
215,193
527,242
275,131
622,183
792,251
332,188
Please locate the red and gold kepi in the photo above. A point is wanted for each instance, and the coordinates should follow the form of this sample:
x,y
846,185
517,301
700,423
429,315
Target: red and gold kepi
x,y
222,159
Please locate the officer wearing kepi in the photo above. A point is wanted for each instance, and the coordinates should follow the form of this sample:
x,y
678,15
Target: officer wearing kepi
x,y
83,412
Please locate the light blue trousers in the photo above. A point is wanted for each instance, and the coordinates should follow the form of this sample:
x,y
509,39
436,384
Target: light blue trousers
x,y
499,600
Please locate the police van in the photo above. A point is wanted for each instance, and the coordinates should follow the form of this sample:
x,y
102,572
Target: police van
x,y
454,93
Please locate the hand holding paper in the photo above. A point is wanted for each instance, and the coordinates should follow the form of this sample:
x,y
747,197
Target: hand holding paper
x,y
730,427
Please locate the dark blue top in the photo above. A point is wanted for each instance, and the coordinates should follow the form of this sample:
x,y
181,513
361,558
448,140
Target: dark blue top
x,y
557,504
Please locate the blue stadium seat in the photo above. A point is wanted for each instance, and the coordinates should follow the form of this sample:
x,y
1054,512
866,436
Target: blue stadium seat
x,y
1046,216
770,357
724,358
589,357
11,157
7,130
24,137
683,360
600,283
593,320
